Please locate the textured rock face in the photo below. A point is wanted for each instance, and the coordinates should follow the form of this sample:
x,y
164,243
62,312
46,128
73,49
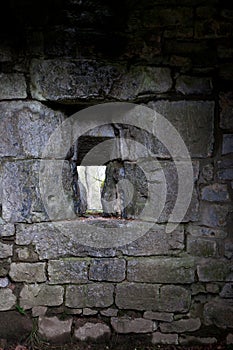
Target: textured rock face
x,y
54,329
92,331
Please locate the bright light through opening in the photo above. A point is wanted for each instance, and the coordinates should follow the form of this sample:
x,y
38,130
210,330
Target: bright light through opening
x,y
91,182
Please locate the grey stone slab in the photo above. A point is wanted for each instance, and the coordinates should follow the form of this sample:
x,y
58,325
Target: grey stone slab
x,y
112,270
137,296
41,295
215,193
25,128
193,120
126,325
55,330
219,313
174,299
181,326
12,86
92,331
227,145
68,270
214,270
161,270
161,338
193,85
90,295
27,272
7,299
6,250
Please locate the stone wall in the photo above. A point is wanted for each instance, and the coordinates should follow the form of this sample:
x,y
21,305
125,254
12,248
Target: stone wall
x,y
57,58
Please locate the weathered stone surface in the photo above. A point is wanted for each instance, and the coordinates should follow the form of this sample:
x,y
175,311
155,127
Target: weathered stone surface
x,y
181,326
219,313
89,312
7,299
112,270
189,339
127,325
109,312
212,288
7,230
27,254
227,291
229,339
55,330
22,200
137,296
201,247
91,295
41,295
199,117
94,80
68,270
206,232
227,145
92,331
12,86
161,270
39,311
160,316
25,128
207,173
226,115
214,215
193,85
6,250
26,272
225,169
215,193
4,267
174,299
213,271
160,338
65,240
142,81
14,326
157,242
4,281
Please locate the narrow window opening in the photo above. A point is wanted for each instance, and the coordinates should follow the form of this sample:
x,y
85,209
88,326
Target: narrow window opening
x,y
91,181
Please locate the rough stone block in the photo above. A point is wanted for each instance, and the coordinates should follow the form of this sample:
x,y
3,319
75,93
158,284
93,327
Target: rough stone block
x,y
214,271
141,81
137,296
226,105
7,230
41,235
160,338
227,145
127,325
181,326
55,330
109,312
197,131
189,339
12,86
215,193
39,311
227,291
92,331
41,295
26,272
214,215
206,232
201,247
161,270
6,250
219,313
25,128
14,326
157,242
174,299
7,299
160,316
94,80
91,295
68,270
22,200
26,254
225,171
112,270
193,85
89,312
